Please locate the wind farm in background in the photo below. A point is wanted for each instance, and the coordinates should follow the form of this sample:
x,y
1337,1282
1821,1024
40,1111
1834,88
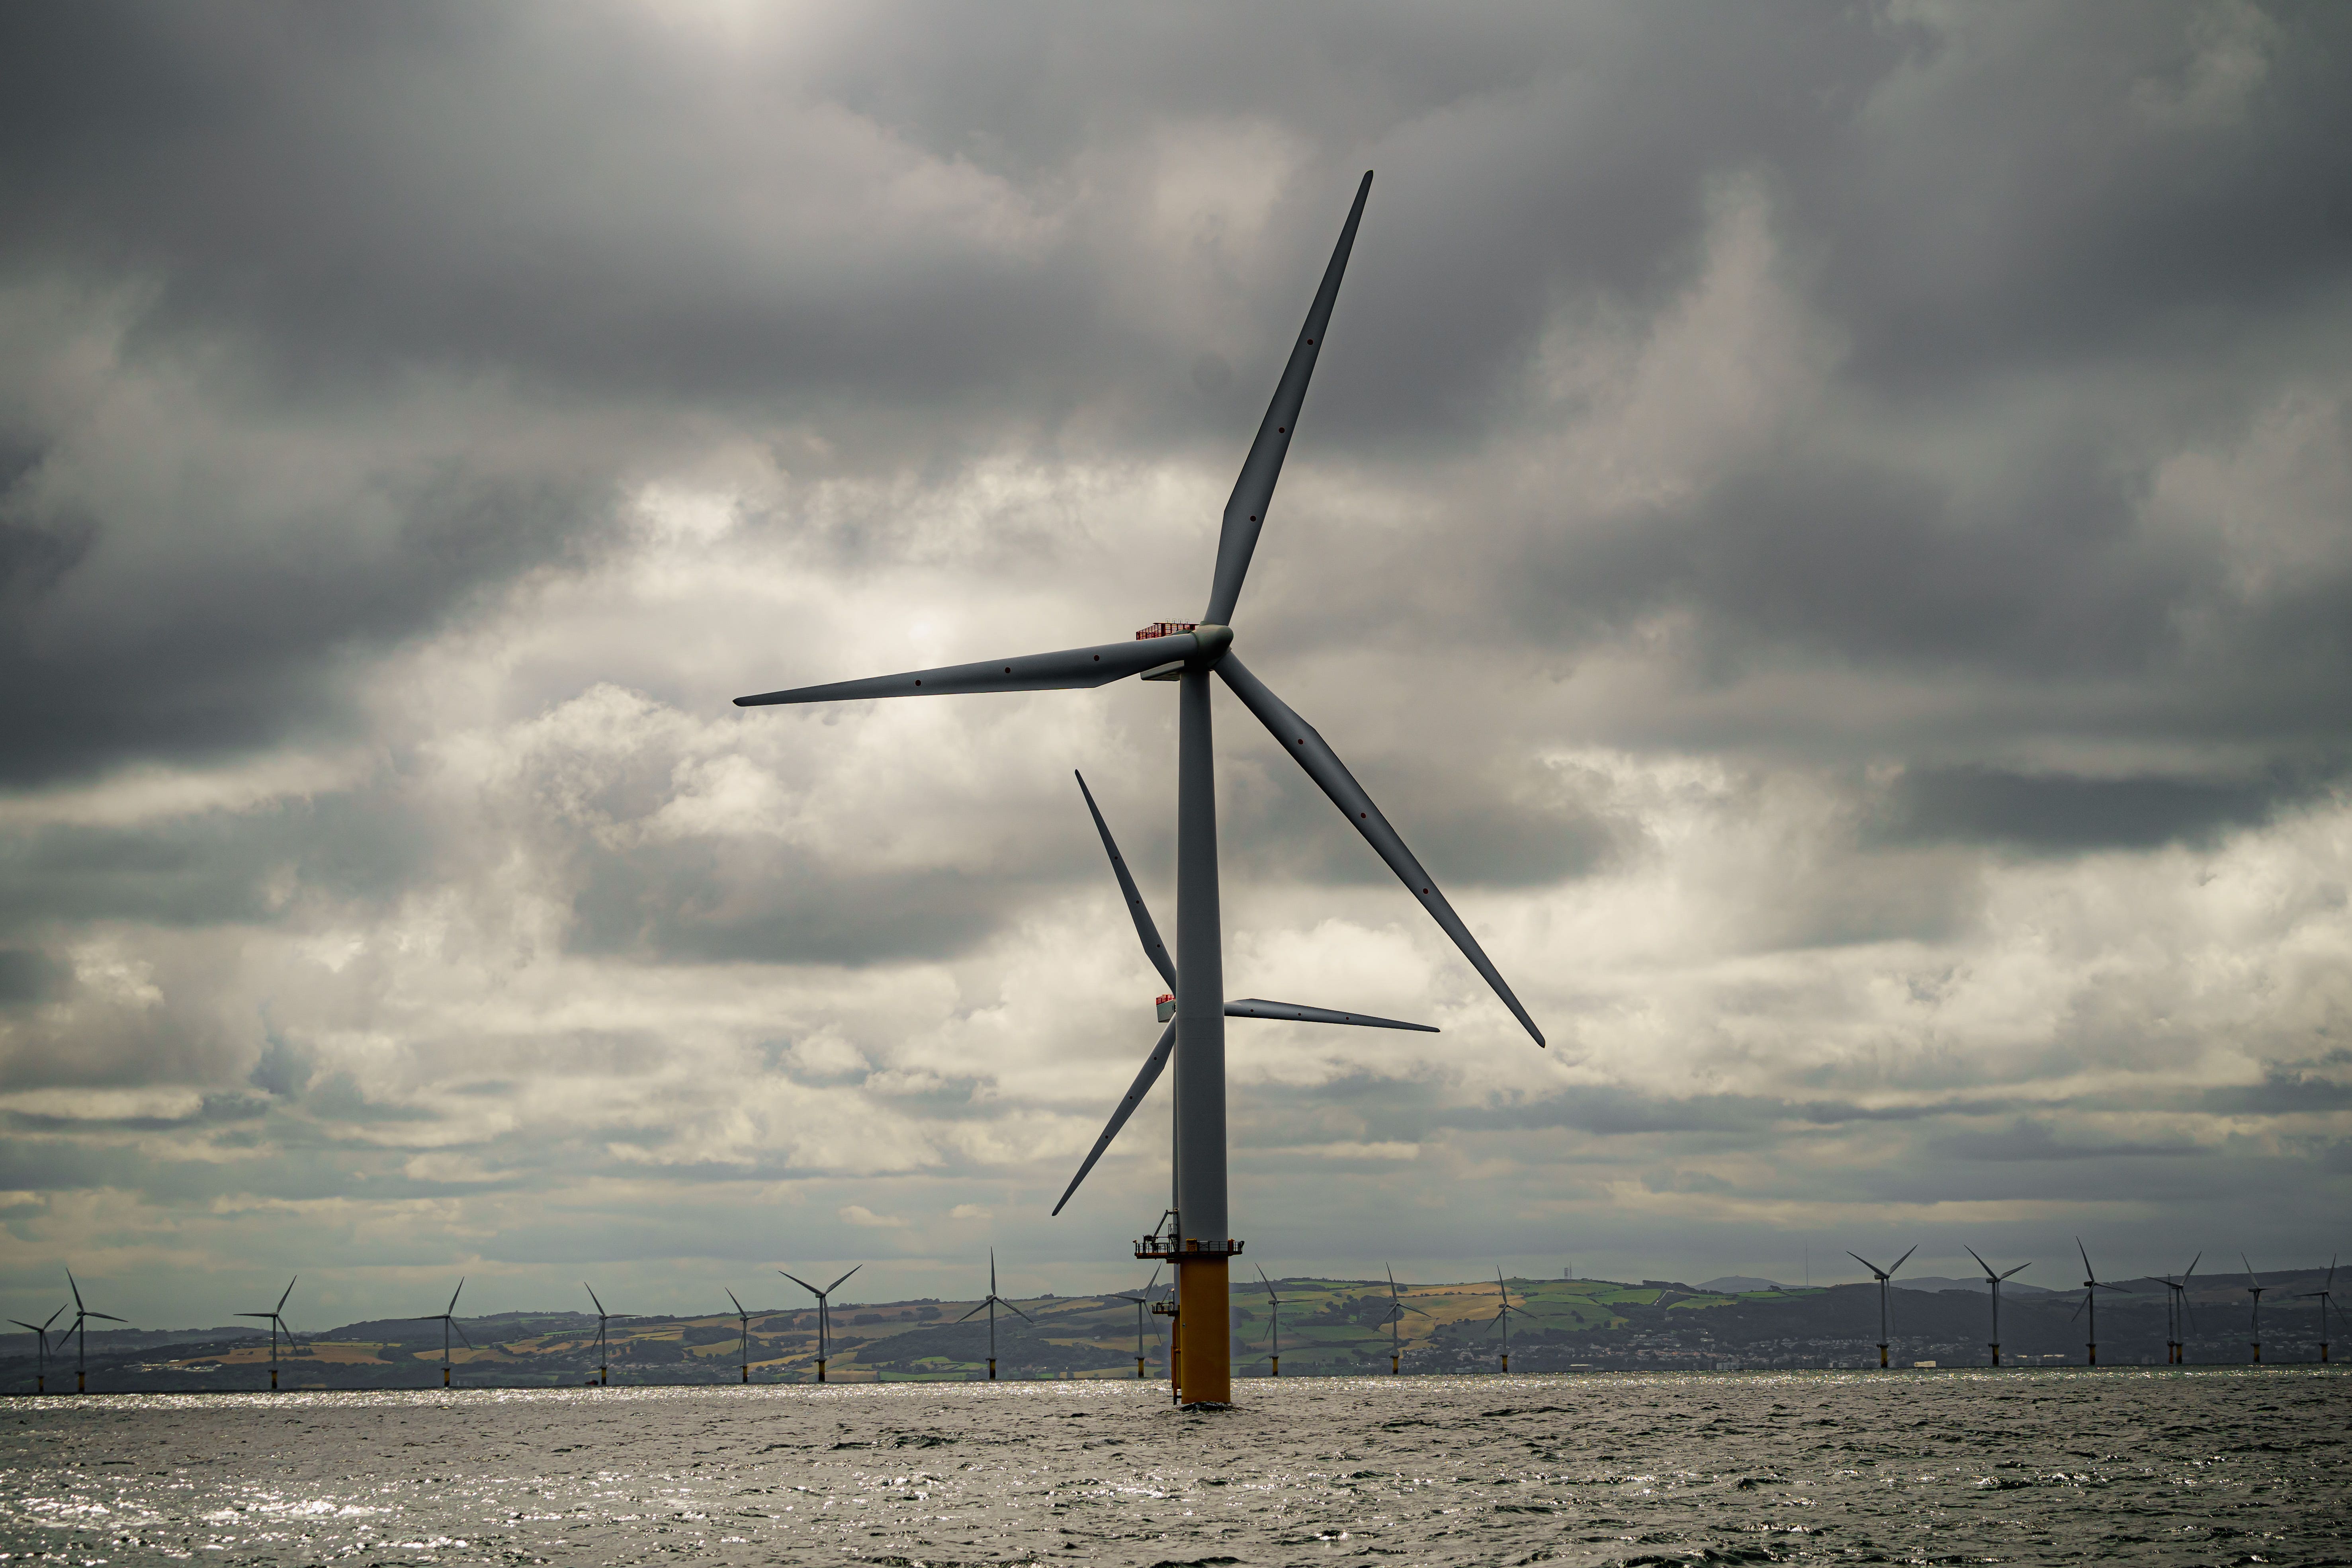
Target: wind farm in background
x,y
1316,1328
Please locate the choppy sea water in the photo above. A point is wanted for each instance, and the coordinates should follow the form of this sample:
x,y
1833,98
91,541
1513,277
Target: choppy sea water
x,y
2201,1466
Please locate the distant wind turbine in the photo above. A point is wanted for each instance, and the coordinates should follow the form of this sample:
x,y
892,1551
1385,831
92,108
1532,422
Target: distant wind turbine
x,y
1884,1278
2177,1317
603,1378
1395,1318
449,1320
1994,1280
276,1323
1141,1303
2325,1295
991,1304
41,1338
2254,1288
80,1332
1503,1316
823,1314
1274,1338
744,1320
1191,654
2092,1286
1148,933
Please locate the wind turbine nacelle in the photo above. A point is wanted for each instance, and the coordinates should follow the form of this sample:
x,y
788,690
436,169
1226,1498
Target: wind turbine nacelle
x,y
1167,1005
1208,641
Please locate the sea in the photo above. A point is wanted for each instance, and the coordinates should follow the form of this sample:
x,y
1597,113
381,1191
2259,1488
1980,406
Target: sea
x,y
2153,1466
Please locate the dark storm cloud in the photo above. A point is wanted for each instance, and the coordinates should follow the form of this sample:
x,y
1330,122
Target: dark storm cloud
x,y
2058,811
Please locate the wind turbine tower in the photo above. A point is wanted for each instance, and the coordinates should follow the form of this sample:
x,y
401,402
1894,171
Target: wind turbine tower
x,y
989,1305
1201,1241
743,1346
2177,1316
1886,1283
2254,1288
1503,1316
1274,1338
82,1315
1994,1280
2092,1286
1395,1320
41,1339
276,1323
823,1314
603,1376
449,1320
1141,1303
2325,1295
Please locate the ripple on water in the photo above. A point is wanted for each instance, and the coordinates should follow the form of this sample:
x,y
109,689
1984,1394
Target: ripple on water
x,y
2156,1467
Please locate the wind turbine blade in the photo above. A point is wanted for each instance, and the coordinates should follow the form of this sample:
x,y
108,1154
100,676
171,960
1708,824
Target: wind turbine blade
x,y
1982,1263
974,1313
802,1284
1246,513
461,1333
592,1296
2019,1270
1875,1271
1015,1311
1147,1075
1906,1257
2088,1272
290,1291
458,1292
1065,669
106,1316
2250,1267
739,1306
1297,1012
1309,751
54,1316
837,1284
1145,931
75,1287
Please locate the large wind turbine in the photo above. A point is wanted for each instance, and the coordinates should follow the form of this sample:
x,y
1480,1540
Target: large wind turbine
x,y
1994,1280
276,1323
447,1318
2177,1317
41,1338
991,1304
824,1313
1273,1336
603,1376
2092,1286
2326,1295
1884,1278
82,1315
2254,1288
1395,1320
1201,1242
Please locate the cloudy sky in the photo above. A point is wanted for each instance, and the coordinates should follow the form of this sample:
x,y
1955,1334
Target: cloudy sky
x,y
1828,527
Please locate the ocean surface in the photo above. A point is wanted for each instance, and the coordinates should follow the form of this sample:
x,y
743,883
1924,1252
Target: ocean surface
x,y
2056,1466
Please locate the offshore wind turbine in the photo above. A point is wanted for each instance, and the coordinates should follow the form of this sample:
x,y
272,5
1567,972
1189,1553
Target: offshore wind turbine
x,y
1201,1241
1503,1316
447,1318
41,1339
1147,932
2177,1317
743,1348
2326,1295
1994,1280
1395,1318
1274,1338
1884,1278
603,1378
2254,1288
82,1315
992,1303
1141,1303
277,1322
2092,1286
824,1313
